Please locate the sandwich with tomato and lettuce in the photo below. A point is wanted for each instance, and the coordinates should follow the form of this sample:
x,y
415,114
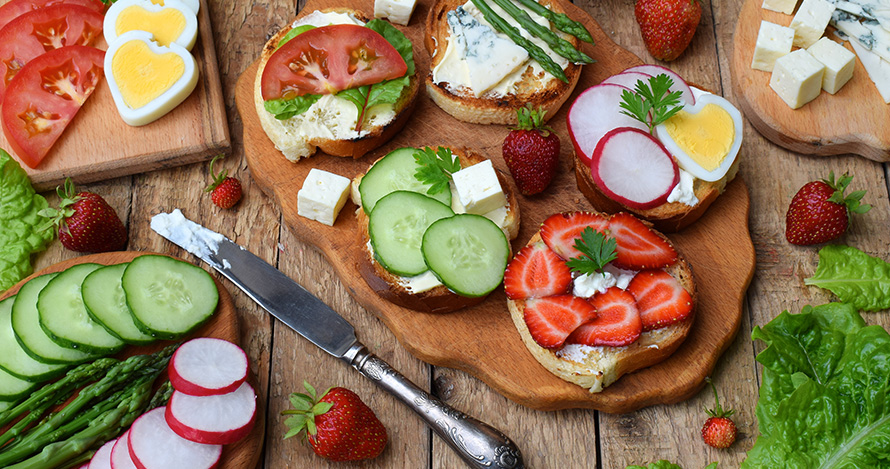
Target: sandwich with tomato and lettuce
x,y
332,81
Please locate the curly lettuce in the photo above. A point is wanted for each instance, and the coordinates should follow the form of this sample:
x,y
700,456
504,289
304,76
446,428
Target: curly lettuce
x,y
855,277
664,464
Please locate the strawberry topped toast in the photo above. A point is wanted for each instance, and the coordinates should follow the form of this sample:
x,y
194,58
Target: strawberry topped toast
x,y
595,296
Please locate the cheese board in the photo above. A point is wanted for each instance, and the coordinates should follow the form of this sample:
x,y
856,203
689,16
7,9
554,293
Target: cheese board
x,y
718,247
98,144
855,120
223,325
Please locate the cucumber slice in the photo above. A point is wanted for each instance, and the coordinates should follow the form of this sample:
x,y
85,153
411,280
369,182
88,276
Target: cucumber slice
x,y
12,388
396,228
168,297
64,317
26,325
468,253
106,303
13,358
395,172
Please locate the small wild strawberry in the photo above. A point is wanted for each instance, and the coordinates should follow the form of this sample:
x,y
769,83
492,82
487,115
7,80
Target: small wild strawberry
x,y
819,212
225,191
718,431
667,26
85,222
531,151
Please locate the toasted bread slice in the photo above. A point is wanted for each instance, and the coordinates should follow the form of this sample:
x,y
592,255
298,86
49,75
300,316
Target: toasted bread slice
x,y
541,91
295,144
394,288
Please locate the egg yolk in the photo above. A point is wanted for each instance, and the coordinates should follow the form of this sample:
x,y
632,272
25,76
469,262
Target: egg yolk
x,y
142,75
166,25
706,137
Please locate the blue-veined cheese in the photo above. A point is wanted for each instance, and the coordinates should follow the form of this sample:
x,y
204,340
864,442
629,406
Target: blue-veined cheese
x,y
867,30
877,68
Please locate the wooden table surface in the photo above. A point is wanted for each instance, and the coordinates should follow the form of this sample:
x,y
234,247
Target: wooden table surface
x,y
562,439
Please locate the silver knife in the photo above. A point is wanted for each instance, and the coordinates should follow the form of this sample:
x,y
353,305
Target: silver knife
x,y
478,444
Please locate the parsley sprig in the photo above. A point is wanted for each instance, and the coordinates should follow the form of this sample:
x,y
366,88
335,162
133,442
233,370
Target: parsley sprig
x,y
651,103
596,251
436,167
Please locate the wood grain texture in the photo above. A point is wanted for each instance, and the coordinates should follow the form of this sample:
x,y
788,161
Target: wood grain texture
x,y
464,339
855,120
98,145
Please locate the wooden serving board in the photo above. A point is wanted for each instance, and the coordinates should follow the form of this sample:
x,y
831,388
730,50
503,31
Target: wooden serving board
x,y
855,120
223,325
482,339
98,144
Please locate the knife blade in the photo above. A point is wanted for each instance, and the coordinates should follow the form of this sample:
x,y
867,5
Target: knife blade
x,y
477,443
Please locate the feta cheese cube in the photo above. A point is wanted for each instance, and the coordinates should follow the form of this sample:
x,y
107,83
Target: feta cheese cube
x,y
396,11
478,188
322,196
838,61
773,41
810,21
782,6
797,78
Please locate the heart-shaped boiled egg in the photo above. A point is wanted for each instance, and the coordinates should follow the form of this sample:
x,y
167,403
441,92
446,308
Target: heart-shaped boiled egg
x,y
172,22
705,137
194,5
148,80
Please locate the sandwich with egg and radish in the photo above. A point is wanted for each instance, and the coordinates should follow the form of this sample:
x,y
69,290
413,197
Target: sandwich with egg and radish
x,y
333,81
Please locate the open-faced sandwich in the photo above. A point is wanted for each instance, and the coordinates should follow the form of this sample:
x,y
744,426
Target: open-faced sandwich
x,y
436,226
333,80
646,142
595,297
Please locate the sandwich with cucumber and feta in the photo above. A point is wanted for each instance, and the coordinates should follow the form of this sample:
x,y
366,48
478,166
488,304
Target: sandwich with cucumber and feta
x,y
435,225
332,80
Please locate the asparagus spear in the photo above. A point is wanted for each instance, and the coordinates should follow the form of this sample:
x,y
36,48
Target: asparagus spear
x,y
558,44
560,20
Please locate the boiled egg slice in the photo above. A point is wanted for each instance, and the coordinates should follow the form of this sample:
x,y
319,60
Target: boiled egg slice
x,y
705,137
172,22
194,5
148,80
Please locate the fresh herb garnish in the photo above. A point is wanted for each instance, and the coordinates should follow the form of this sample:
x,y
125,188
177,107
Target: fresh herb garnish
x,y
651,103
596,251
436,167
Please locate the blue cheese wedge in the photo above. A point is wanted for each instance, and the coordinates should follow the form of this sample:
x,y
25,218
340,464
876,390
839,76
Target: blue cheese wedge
x,y
877,68
797,78
773,41
810,21
866,30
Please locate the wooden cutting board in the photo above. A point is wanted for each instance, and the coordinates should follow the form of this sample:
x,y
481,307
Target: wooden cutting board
x,y
223,325
98,144
482,339
855,120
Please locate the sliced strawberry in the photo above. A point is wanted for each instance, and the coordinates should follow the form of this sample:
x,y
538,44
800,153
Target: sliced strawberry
x,y
536,272
550,320
560,230
638,246
617,322
661,299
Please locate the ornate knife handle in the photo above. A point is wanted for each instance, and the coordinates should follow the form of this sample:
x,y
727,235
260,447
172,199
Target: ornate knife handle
x,y
477,443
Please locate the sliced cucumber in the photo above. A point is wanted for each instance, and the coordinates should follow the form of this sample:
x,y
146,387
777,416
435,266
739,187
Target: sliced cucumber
x,y
168,297
13,388
468,253
26,325
64,317
396,228
13,358
106,303
395,172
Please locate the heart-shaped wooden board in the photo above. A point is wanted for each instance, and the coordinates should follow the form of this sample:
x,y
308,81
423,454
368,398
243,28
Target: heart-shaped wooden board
x,y
855,120
223,325
482,339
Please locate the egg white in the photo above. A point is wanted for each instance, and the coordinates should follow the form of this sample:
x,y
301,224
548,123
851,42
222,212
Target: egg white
x,y
186,38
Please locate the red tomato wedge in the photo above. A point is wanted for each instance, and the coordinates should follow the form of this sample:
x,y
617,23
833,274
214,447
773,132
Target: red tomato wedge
x,y
45,95
17,8
42,30
329,59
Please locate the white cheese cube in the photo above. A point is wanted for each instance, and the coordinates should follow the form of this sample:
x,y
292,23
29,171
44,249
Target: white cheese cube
x,y
782,6
322,196
478,188
396,11
838,61
797,78
773,41
810,21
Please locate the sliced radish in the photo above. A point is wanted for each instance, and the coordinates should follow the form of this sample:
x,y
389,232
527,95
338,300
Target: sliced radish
x,y
102,458
120,455
627,79
217,420
679,83
632,167
208,367
594,113
153,445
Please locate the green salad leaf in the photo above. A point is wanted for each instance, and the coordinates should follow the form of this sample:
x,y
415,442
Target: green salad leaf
x,y
294,33
284,109
825,397
664,464
854,276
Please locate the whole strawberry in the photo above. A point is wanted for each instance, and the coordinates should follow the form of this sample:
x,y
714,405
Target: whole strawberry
x,y
338,425
531,151
85,222
820,212
667,25
225,191
718,431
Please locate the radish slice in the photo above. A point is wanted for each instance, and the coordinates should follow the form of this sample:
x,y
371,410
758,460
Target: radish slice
x,y
594,113
208,367
633,168
216,420
153,445
102,458
679,83
120,455
627,79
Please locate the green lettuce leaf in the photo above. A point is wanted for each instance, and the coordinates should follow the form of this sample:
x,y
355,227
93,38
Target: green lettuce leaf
x,y
286,108
663,464
397,39
294,33
854,276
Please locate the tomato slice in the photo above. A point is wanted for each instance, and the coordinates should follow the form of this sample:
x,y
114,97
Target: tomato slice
x,y
45,95
44,29
329,59
17,8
